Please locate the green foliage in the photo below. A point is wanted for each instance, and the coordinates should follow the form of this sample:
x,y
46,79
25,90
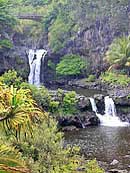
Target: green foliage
x,y
64,19
18,111
91,78
114,78
50,156
118,53
92,167
59,33
42,149
51,65
54,107
36,2
11,160
71,65
69,103
5,18
5,44
11,78
40,95
66,104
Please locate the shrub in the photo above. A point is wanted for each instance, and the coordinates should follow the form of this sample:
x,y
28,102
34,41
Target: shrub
x,y
54,106
114,78
70,65
45,152
91,78
11,78
69,103
92,167
17,111
40,95
66,104
10,159
5,44
118,54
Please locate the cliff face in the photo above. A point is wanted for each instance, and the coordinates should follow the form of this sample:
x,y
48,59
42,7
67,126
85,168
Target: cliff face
x,y
92,43
91,40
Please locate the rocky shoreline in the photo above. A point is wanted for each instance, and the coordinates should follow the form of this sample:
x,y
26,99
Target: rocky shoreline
x,y
86,117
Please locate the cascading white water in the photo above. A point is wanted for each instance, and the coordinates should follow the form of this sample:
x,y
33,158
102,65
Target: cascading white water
x,y
110,108
93,104
35,65
109,118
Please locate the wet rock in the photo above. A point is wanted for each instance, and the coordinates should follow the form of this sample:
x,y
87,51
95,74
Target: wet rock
x,y
114,162
83,103
94,121
122,101
69,128
71,121
99,97
117,171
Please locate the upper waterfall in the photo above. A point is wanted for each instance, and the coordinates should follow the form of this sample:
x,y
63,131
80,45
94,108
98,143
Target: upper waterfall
x,y
110,117
35,65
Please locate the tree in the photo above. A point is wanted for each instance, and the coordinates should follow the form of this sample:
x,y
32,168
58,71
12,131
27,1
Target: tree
x,y
71,65
5,17
118,54
7,22
18,111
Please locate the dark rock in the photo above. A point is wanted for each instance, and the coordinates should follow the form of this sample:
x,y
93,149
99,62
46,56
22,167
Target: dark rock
x,y
69,128
117,171
70,121
83,103
94,121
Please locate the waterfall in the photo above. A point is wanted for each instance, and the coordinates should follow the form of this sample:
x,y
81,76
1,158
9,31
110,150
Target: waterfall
x,y
110,108
110,117
93,104
35,65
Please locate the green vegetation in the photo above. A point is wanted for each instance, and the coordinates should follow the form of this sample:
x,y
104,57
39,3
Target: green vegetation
x,y
66,106
17,111
29,140
118,54
5,44
91,78
6,20
62,19
51,65
7,23
11,78
11,160
115,78
71,65
40,95
50,156
92,167
69,103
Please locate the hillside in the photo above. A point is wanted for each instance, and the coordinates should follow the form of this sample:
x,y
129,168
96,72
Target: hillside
x,y
84,27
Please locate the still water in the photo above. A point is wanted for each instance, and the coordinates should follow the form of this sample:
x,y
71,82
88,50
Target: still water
x,y
87,92
82,91
103,143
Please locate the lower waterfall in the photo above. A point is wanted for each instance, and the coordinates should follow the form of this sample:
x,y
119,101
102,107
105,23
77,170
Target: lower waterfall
x,y
35,58
110,117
